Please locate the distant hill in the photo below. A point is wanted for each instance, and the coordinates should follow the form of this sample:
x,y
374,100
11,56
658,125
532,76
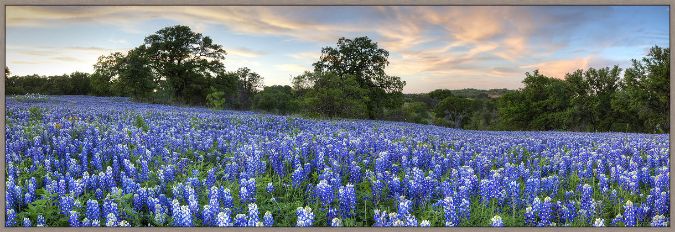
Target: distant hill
x,y
467,93
480,93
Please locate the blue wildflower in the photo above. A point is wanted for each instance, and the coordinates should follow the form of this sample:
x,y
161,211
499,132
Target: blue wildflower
x,y
629,216
268,220
305,216
347,196
496,221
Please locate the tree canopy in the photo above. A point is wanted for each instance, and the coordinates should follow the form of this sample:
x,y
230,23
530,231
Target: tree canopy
x,y
362,59
175,65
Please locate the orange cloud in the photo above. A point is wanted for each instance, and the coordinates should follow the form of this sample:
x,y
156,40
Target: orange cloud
x,y
558,68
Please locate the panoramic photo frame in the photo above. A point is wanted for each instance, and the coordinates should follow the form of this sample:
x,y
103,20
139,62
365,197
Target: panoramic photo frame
x,y
193,116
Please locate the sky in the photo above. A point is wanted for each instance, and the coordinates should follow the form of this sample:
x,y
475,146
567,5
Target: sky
x,y
431,47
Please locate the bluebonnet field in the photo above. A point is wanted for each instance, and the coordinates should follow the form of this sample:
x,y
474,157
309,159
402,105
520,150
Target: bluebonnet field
x,y
91,161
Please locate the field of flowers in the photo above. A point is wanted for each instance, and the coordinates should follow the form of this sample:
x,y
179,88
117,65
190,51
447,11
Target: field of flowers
x,y
91,161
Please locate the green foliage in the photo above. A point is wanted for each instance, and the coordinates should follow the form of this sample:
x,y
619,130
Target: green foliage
x,y
139,122
647,92
276,99
215,99
135,74
410,111
541,105
454,110
362,59
186,60
594,100
336,96
76,83
104,76
35,114
248,84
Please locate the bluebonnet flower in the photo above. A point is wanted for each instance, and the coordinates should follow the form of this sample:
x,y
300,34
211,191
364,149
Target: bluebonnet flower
x,y
268,220
404,206
99,194
240,220
568,212
305,216
110,207
545,212
93,210
270,187
587,201
451,218
210,178
89,223
603,183
62,187
324,192
181,214
26,222
347,196
354,173
66,204
226,197
599,222
85,163
332,213
394,187
247,190
41,221
380,218
145,171
111,220
160,214
336,222
74,220
629,216
496,221
208,215
514,193
661,203
298,176
11,218
253,215
377,186
531,188
486,190
223,219
28,198
410,220
659,221
530,218
464,204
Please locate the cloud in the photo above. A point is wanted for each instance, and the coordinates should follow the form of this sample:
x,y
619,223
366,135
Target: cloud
x,y
244,52
558,68
429,44
257,20
25,62
45,60
66,59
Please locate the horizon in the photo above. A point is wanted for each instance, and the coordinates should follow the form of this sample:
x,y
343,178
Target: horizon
x,y
491,48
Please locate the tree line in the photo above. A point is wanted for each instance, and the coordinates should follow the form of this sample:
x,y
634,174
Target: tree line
x,y
178,66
